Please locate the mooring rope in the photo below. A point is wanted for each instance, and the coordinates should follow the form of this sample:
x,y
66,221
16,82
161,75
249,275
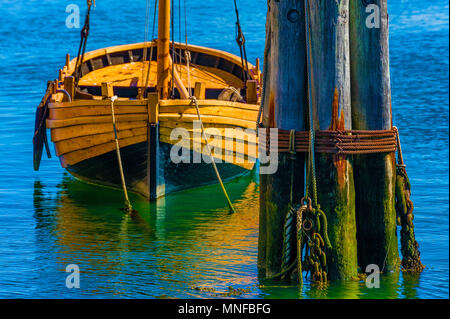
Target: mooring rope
x,y
208,148
309,218
290,228
311,99
128,207
404,208
315,229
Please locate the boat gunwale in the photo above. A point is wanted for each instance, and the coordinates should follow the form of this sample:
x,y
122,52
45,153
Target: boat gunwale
x,y
69,69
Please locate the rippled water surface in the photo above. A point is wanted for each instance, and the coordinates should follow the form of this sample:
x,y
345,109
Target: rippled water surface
x,y
48,220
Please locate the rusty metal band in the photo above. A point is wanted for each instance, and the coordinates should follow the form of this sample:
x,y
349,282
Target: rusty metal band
x,y
348,142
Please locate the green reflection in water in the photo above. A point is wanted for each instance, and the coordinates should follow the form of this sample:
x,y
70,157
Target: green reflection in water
x,y
186,245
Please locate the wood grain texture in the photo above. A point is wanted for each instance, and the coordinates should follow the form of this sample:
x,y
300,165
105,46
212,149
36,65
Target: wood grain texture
x,y
65,133
95,120
371,110
284,103
109,55
103,170
332,111
82,129
77,156
82,142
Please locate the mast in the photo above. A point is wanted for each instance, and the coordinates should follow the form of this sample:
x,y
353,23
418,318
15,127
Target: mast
x,y
163,45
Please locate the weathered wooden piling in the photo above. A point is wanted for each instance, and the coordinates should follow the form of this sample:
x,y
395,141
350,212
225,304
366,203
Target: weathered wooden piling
x,y
330,75
371,110
284,102
345,48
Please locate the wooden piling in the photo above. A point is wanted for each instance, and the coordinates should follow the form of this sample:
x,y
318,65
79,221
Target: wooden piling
x,y
371,110
330,75
284,87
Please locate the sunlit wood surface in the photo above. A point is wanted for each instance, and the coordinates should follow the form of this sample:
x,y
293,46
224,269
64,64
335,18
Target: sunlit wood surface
x,y
135,74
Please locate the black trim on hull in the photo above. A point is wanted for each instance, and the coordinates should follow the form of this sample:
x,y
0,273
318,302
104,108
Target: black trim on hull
x,y
170,177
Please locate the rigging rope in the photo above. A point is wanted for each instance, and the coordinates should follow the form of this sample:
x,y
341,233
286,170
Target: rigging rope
x,y
172,82
240,40
187,54
151,52
83,41
179,37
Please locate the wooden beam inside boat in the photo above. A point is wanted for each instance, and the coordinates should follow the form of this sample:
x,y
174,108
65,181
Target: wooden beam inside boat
x,y
69,86
199,90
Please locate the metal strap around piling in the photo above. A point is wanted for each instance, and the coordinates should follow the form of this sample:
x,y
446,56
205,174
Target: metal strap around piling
x,y
345,142
128,206
194,99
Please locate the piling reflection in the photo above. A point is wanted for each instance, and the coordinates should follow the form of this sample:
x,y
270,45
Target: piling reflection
x,y
410,284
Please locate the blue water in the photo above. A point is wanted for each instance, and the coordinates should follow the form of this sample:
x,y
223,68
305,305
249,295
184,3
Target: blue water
x,y
48,220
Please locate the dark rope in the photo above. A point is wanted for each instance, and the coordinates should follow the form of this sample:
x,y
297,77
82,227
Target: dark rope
x,y
240,40
173,49
83,41
404,208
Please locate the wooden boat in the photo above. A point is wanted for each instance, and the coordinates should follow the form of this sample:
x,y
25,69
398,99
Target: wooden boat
x,y
77,109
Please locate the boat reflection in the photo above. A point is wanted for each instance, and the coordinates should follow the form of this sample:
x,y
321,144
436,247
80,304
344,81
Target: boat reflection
x,y
184,240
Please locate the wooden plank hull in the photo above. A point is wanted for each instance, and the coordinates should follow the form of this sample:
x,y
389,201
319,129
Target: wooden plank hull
x,y
81,121
104,170
83,135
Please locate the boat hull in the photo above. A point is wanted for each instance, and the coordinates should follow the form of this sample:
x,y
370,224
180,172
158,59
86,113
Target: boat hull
x,y
170,178
146,126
